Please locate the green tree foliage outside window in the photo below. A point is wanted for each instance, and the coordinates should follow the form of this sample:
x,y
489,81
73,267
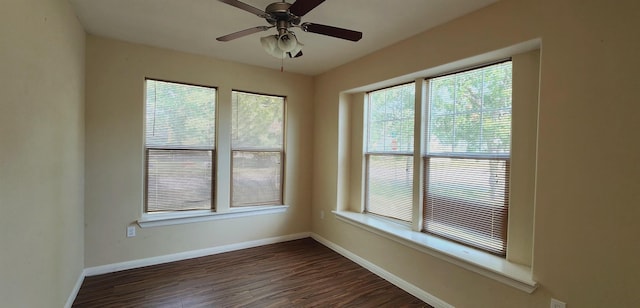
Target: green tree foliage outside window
x,y
471,112
257,121
179,115
391,117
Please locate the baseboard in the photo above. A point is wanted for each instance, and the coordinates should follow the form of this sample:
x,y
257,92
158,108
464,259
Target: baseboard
x,y
115,267
76,289
402,284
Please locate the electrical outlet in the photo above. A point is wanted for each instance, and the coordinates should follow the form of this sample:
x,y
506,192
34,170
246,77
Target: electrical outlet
x,y
131,231
557,304
321,214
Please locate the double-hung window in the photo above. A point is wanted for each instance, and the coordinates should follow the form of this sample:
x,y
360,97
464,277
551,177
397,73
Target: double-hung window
x,y
179,147
467,160
257,146
389,152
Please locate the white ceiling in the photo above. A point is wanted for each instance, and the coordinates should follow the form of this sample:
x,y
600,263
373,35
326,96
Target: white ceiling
x,y
193,25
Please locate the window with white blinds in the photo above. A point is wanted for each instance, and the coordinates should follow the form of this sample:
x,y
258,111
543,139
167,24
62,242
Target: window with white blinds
x,y
179,146
257,145
467,161
389,152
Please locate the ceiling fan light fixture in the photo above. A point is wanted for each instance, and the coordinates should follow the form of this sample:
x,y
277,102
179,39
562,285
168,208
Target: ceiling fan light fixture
x,y
270,45
278,47
287,42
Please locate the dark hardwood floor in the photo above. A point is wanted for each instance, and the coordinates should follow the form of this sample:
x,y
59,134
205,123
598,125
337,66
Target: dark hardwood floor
x,y
300,273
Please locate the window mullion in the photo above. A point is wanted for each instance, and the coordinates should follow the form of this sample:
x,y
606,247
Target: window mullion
x,y
421,115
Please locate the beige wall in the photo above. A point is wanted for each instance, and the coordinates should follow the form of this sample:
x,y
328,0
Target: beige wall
x,y
114,150
41,152
587,176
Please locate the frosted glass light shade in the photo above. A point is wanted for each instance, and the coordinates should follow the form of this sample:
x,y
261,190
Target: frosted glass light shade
x,y
270,45
280,46
287,42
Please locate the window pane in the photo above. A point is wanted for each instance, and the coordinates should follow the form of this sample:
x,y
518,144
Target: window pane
x,y
179,115
467,201
390,186
468,91
470,112
442,96
497,124
179,180
390,119
257,121
256,178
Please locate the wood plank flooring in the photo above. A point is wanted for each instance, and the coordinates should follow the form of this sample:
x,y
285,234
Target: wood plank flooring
x,y
300,273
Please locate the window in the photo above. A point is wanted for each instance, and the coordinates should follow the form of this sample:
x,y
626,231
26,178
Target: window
x,y
389,152
473,166
257,146
467,161
179,146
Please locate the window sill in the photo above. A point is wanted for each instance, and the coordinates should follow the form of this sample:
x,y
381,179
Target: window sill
x,y
488,265
173,218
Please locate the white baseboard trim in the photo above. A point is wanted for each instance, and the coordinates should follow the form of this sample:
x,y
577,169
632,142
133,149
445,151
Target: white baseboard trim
x,y
402,284
115,267
76,289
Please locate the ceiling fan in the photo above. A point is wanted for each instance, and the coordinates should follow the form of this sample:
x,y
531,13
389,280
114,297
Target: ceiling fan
x,y
283,16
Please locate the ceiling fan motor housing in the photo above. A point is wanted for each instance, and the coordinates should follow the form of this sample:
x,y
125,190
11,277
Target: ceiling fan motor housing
x,y
278,15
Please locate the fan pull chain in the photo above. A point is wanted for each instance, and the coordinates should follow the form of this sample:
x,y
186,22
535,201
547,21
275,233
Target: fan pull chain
x,y
282,64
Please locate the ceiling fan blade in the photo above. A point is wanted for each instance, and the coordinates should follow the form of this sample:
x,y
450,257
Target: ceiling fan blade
x,y
302,7
242,33
332,31
246,7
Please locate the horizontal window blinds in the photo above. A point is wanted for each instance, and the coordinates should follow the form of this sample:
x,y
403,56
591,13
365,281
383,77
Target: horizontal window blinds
x,y
389,150
179,180
179,115
466,166
470,112
257,178
257,143
467,200
390,185
179,146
